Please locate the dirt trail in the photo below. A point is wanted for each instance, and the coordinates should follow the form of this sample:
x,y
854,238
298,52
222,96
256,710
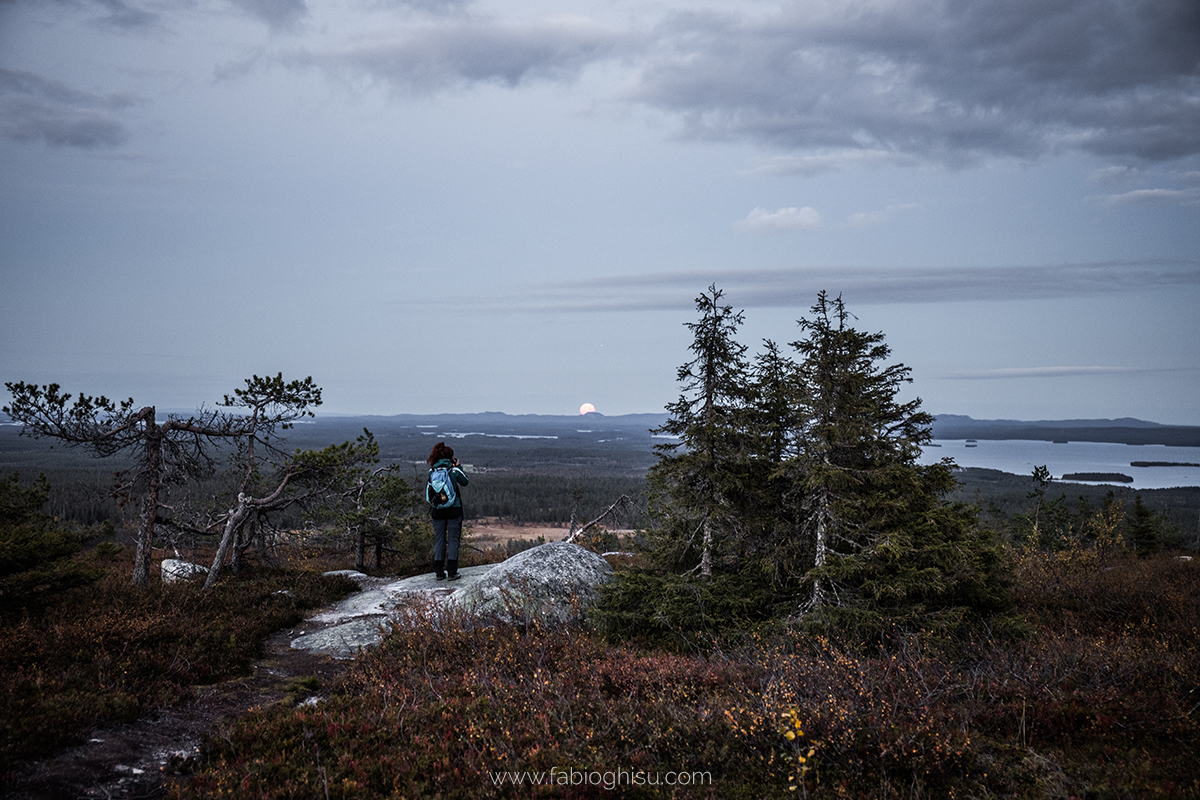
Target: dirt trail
x,y
136,760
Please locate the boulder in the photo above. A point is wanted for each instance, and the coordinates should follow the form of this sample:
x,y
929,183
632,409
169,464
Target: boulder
x,y
352,574
174,570
554,582
344,640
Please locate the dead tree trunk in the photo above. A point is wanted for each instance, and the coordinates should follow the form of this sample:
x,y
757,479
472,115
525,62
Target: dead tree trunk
x,y
145,539
237,517
360,548
576,533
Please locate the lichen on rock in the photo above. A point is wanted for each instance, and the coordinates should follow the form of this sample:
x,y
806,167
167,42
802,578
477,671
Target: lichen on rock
x,y
554,582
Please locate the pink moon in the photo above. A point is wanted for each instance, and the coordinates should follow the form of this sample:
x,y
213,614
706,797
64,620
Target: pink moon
x,y
587,408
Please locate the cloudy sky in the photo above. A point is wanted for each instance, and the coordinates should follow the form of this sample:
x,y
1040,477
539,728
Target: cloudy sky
x,y
509,205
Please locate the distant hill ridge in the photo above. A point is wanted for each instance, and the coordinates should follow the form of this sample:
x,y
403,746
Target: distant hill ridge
x,y
1123,422
1125,430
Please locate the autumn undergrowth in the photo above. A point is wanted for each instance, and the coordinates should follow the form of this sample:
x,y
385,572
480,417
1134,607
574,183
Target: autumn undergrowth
x,y
1097,698
1094,694
109,652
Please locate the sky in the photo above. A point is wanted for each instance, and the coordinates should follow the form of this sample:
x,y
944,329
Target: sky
x,y
454,206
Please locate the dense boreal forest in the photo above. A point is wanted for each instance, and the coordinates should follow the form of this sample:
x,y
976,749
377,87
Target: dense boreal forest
x,y
522,481
800,607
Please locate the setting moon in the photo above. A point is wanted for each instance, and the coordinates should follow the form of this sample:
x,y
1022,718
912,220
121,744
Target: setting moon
x,y
587,408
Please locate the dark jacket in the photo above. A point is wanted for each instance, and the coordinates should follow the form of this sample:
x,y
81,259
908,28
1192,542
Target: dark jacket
x,y
455,510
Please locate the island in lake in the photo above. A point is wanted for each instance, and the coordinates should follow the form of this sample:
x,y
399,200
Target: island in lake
x,y
1162,464
1098,477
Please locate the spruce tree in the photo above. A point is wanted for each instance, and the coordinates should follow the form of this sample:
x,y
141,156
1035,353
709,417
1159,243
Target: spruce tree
x,y
1143,525
884,539
36,549
694,485
795,489
772,420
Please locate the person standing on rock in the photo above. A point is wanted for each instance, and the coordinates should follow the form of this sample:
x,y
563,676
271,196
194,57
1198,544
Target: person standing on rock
x,y
445,507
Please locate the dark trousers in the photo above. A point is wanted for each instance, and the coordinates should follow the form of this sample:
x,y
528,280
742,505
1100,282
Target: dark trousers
x,y
446,533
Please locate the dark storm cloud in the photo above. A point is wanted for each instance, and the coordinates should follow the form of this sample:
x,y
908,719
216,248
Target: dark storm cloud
x,y
941,81
463,51
277,14
123,15
798,288
33,108
116,13
948,80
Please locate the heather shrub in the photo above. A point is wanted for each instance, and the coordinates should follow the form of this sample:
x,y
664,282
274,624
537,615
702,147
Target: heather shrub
x,y
1098,700
109,652
446,707
877,719
1101,700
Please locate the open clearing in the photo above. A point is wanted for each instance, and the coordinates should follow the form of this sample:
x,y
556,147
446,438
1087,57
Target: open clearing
x,y
491,530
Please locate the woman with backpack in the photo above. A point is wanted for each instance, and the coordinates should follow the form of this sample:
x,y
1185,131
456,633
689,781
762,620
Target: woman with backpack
x,y
445,507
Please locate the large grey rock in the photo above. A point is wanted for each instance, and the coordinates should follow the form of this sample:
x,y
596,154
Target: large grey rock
x,y
555,582
174,570
352,574
360,620
346,639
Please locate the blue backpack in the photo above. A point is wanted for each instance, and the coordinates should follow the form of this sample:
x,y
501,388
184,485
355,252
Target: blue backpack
x,y
441,491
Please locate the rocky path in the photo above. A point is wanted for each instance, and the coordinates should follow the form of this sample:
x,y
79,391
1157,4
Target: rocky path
x,y
135,760
138,759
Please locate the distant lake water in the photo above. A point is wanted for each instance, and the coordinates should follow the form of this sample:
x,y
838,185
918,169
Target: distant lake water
x,y
1020,456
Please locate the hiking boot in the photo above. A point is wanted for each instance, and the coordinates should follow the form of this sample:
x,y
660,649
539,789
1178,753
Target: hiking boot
x,y
452,568
441,573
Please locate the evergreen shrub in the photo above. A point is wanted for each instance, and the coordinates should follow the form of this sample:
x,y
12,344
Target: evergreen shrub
x,y
683,612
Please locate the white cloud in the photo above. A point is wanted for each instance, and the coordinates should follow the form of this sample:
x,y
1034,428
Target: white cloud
x,y
782,221
1148,197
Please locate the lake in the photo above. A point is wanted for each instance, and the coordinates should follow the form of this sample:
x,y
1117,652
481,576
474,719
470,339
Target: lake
x,y
1020,456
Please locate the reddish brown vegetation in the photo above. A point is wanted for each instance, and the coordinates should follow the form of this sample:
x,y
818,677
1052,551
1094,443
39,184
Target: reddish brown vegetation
x,y
1098,699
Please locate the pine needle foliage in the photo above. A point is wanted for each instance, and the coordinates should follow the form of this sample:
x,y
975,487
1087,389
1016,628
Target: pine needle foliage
x,y
796,487
35,548
694,487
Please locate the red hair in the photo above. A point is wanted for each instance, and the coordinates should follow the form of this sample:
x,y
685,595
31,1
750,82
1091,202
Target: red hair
x,y
440,451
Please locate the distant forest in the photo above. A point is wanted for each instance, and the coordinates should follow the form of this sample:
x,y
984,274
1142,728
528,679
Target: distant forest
x,y
1114,431
528,480
540,469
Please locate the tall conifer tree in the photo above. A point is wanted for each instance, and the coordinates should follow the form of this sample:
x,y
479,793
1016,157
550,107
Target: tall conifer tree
x,y
800,480
771,422
884,538
693,485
